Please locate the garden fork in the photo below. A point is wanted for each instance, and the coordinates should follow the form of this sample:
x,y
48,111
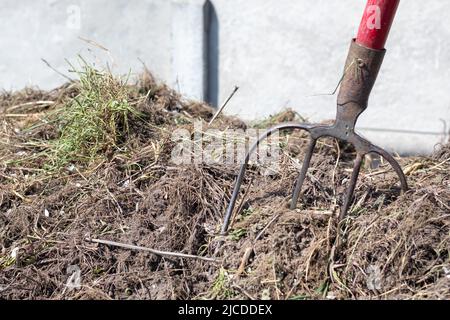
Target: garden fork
x,y
361,69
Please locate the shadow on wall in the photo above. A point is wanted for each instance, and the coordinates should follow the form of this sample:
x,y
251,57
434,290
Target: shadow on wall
x,y
212,59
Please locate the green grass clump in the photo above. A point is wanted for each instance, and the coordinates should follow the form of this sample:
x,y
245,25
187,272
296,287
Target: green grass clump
x,y
94,121
286,115
221,287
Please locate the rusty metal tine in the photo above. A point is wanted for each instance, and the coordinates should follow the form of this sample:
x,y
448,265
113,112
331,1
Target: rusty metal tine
x,y
234,196
394,164
351,187
355,88
302,175
240,177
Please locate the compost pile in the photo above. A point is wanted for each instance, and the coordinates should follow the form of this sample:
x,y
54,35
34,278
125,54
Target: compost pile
x,y
92,160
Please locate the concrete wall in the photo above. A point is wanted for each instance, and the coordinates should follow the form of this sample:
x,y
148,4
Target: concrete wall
x,y
53,29
280,52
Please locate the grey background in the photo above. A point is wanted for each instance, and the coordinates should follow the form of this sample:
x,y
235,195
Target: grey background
x,y
280,52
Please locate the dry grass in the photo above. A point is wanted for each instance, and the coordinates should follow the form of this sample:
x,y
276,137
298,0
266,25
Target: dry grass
x,y
92,158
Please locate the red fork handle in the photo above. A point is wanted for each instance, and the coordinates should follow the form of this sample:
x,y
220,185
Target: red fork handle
x,y
376,23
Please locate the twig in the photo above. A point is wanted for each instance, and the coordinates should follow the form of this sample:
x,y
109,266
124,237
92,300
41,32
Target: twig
x,y
277,290
438,165
260,234
339,83
244,261
93,43
58,72
154,251
376,173
243,291
390,291
19,115
248,252
33,103
236,88
311,254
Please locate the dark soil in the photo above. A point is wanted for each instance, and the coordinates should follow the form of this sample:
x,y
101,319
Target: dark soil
x,y
391,246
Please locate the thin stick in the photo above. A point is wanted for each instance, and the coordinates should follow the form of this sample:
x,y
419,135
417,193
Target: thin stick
x,y
248,252
58,72
261,233
337,86
156,252
244,292
32,103
236,88
94,43
19,115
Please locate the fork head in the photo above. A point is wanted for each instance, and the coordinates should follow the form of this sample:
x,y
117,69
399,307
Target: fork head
x,y
360,73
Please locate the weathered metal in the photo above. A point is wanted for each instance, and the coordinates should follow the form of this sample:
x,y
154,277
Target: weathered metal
x,y
360,72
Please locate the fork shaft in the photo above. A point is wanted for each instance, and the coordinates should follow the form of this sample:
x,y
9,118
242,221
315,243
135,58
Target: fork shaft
x,y
360,73
376,23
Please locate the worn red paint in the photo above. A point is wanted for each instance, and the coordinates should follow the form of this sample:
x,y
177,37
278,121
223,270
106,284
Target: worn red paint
x,y
376,23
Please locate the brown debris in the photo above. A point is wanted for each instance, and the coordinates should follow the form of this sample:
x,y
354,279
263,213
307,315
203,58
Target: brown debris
x,y
391,246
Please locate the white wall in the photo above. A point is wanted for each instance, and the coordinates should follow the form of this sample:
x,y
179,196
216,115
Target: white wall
x,y
49,29
280,53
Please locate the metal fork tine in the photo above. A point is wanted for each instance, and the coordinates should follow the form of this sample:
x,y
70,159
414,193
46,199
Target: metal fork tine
x,y
351,188
395,166
240,177
302,175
